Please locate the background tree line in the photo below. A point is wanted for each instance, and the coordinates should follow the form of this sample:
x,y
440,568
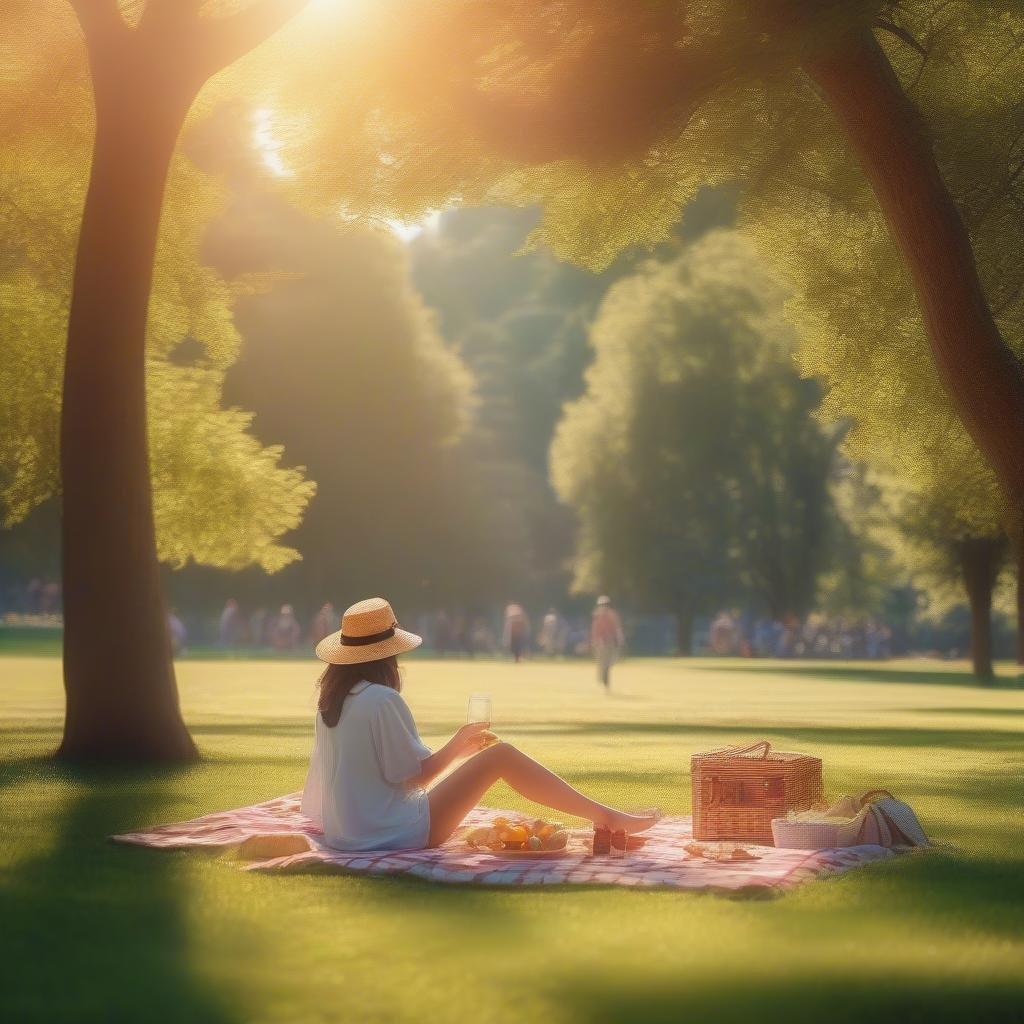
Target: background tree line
x,y
691,470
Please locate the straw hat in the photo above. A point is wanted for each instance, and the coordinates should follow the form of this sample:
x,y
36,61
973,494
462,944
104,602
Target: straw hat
x,y
368,631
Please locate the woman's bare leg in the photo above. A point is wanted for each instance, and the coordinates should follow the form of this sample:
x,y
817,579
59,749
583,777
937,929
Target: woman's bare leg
x,y
457,794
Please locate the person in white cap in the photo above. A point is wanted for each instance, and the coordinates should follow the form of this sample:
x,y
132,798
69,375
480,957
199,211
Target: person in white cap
x,y
606,639
369,769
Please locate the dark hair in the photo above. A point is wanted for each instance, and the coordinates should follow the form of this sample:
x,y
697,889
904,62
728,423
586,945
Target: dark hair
x,y
338,680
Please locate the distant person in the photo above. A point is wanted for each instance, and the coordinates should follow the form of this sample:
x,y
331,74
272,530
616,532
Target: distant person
x,y
258,624
482,634
50,598
606,638
872,640
723,634
286,631
789,637
764,637
516,635
178,632
884,641
232,625
553,634
443,637
462,634
324,622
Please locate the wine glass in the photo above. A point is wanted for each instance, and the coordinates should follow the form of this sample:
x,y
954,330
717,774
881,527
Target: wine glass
x,y
479,708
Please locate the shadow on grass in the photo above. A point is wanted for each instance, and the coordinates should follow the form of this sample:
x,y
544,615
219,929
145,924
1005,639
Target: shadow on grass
x,y
90,937
947,891
988,712
745,994
873,736
975,899
846,673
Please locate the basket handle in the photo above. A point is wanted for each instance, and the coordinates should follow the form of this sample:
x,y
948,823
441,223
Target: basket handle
x,y
865,798
747,749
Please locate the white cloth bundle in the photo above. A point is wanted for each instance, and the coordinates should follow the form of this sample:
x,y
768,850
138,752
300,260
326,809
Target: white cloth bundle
x,y
876,819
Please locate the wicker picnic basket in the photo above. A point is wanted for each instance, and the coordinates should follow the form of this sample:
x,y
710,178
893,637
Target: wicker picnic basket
x,y
737,791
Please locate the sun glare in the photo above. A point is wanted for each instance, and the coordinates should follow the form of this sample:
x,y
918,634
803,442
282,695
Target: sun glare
x,y
407,230
320,6
264,142
268,147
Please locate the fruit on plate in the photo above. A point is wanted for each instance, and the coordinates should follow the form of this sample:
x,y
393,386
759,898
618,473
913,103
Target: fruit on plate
x,y
535,836
515,834
557,840
482,836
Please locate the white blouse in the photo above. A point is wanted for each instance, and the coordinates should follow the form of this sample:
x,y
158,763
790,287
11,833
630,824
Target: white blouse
x,y
357,787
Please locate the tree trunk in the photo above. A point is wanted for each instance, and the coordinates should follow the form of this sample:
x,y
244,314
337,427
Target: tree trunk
x,y
980,558
122,701
982,376
1020,601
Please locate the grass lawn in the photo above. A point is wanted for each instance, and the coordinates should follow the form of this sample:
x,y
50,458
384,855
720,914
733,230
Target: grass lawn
x,y
90,931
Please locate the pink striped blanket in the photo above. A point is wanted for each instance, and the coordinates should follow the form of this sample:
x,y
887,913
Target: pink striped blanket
x,y
662,862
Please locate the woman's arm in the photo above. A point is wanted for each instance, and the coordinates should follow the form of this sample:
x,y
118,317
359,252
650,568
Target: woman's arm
x,y
468,740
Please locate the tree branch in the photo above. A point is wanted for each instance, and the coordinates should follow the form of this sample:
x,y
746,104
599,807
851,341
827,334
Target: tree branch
x,y
101,23
903,35
174,12
222,41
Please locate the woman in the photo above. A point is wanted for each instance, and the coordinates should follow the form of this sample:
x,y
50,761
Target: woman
x,y
368,771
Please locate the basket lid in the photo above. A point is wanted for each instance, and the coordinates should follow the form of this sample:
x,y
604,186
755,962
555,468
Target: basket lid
x,y
759,751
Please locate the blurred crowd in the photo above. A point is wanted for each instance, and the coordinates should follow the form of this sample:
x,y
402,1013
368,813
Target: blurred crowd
x,y
260,628
552,634
729,633
445,632
278,630
34,598
515,633
816,636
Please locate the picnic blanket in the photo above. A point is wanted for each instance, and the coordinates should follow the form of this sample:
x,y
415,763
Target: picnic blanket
x,y
661,863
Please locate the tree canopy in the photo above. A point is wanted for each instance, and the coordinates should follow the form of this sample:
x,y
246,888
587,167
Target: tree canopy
x,y
611,116
693,461
405,127
220,497
853,303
